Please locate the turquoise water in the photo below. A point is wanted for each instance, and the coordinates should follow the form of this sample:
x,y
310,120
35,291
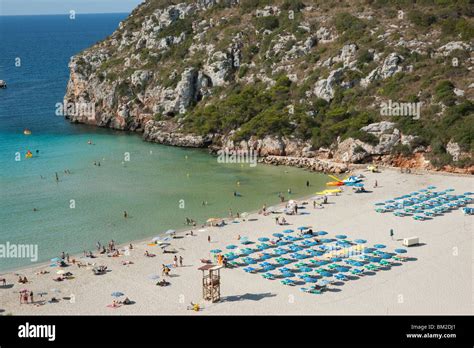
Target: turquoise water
x,y
87,205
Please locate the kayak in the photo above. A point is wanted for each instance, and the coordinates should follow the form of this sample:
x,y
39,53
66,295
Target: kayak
x,y
335,183
327,192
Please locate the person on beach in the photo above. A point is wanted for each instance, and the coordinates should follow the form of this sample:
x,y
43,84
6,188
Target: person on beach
x,y
63,255
130,247
25,297
31,297
67,257
98,245
4,281
209,239
125,214
181,261
307,183
289,191
57,177
175,261
391,233
325,200
375,184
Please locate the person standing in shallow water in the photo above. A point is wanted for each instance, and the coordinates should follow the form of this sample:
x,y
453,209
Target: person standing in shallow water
x,y
307,183
125,214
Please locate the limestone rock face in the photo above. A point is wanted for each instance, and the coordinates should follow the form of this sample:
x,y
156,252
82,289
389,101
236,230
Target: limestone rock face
x,y
325,88
351,151
166,133
446,50
390,66
166,64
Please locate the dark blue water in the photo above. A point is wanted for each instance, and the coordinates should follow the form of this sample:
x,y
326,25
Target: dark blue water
x,y
44,44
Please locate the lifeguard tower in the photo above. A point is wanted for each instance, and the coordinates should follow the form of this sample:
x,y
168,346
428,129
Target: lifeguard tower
x,y
211,282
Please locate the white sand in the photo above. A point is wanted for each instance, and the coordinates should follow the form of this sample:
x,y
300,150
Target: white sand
x,y
440,281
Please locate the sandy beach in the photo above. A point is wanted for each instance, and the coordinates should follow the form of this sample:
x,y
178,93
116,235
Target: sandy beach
x,y
437,279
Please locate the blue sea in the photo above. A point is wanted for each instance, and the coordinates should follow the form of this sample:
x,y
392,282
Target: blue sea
x,y
159,187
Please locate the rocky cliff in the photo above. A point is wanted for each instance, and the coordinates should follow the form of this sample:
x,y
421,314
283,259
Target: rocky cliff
x,y
327,81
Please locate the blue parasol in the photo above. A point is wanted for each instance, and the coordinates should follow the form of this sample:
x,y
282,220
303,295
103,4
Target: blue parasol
x,y
278,235
341,236
360,241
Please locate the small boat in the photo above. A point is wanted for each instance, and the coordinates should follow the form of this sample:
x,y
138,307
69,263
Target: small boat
x,y
27,132
3,84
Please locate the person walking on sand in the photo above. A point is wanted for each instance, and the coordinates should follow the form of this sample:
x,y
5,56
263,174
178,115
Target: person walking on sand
x,y
181,261
391,233
175,261
31,297
375,184
209,239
